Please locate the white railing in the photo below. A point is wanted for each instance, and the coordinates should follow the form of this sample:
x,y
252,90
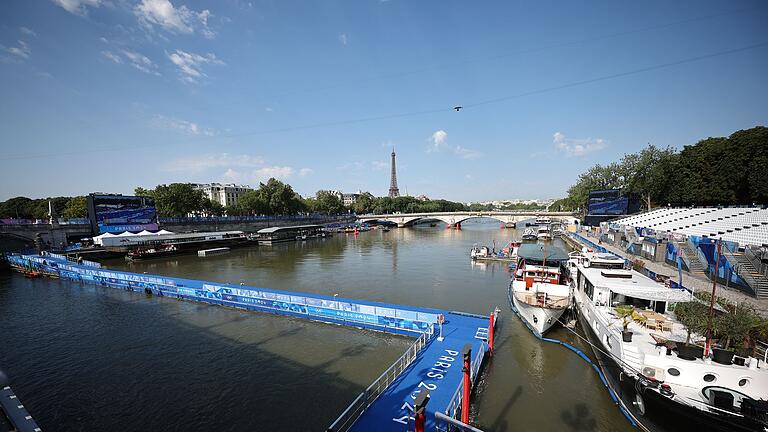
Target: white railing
x,y
347,418
445,423
761,350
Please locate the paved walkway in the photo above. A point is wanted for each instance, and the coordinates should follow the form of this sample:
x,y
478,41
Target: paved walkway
x,y
694,282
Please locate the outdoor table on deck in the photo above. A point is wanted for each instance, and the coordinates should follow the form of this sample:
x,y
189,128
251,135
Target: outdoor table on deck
x,y
658,318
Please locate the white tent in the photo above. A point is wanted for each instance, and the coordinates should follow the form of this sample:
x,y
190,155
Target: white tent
x,y
145,232
164,232
98,238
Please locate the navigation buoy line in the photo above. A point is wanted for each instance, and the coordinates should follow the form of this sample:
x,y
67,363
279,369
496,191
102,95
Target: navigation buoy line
x,y
439,373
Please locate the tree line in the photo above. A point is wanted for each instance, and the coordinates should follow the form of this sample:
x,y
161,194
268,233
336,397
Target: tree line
x,y
714,171
277,198
27,208
270,198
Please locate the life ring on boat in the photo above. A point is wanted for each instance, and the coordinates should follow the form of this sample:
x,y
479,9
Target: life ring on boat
x,y
639,404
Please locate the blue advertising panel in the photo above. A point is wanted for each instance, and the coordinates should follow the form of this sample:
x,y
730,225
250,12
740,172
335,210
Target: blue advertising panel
x,y
607,202
118,213
347,311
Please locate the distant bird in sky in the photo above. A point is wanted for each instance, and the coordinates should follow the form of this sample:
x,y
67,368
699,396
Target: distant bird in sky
x,y
458,108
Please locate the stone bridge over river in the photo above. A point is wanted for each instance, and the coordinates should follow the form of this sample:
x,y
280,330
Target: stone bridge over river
x,y
456,218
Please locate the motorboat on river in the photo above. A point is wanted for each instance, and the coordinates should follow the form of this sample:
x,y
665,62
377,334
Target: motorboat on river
x,y
484,253
529,235
539,288
542,233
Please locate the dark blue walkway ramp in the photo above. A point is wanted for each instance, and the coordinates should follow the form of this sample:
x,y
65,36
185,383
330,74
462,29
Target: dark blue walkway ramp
x,y
438,368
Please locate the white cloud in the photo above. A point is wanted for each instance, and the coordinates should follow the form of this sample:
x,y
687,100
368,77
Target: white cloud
x,y
364,166
22,50
439,140
466,153
577,147
265,173
112,56
190,64
379,165
162,13
77,7
27,31
137,60
278,172
344,39
200,163
184,126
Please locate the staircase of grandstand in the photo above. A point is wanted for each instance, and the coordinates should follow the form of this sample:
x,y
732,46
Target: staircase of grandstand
x,y
691,258
749,270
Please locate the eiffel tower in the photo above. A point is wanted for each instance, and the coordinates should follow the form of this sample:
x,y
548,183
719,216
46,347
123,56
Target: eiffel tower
x,y
394,192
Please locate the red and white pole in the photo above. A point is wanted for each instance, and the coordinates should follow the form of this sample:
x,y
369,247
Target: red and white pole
x,y
490,333
467,353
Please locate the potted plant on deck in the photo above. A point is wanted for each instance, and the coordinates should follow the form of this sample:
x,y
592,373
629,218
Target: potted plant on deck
x,y
734,327
693,315
625,312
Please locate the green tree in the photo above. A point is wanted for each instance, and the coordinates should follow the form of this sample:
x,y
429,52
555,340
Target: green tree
x,y
364,204
76,208
280,198
213,208
175,199
252,202
644,172
328,202
18,207
693,315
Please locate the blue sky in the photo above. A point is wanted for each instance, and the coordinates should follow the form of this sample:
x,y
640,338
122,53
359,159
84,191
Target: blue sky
x,y
106,95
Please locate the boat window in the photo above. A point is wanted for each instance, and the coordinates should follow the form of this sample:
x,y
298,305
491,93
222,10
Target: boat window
x,y
589,289
743,382
710,378
673,371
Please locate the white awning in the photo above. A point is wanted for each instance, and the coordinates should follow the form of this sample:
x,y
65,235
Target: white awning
x,y
672,295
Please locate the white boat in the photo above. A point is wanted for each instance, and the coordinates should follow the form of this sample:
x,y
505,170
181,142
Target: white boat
x,y
660,388
543,220
529,234
484,253
539,289
542,233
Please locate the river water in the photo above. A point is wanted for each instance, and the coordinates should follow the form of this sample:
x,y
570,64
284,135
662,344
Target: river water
x,y
90,358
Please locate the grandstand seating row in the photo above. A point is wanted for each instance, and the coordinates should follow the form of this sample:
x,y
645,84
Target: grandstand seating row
x,y
744,225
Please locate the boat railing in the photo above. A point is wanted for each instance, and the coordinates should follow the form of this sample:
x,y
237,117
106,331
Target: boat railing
x,y
761,351
347,418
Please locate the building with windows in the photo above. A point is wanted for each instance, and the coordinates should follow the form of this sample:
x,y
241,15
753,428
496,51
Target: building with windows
x,y
226,194
349,198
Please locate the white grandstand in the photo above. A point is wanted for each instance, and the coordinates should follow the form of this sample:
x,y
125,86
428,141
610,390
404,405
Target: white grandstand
x,y
744,225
